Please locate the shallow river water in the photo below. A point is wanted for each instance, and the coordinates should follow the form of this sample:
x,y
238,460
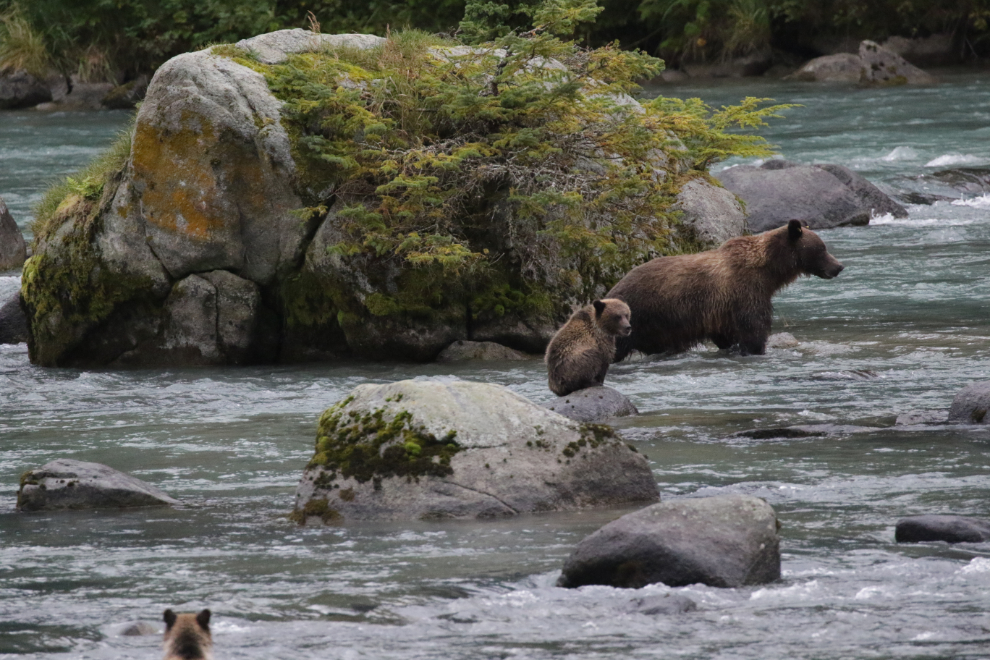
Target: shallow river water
x,y
904,327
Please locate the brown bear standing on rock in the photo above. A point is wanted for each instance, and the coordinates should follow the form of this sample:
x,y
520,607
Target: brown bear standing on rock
x,y
723,295
580,353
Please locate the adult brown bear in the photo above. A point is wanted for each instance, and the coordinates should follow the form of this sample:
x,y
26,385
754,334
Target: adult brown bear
x,y
723,295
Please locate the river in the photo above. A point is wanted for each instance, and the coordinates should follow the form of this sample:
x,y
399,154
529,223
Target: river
x,y
901,330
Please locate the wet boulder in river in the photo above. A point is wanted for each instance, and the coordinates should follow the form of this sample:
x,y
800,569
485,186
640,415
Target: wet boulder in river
x,y
951,529
971,404
445,449
13,323
488,351
20,89
824,196
726,541
885,67
69,484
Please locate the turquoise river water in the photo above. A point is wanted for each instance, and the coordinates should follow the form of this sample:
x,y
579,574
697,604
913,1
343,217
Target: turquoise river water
x,y
904,327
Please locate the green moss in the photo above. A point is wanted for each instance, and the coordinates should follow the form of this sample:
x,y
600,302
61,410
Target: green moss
x,y
88,183
319,508
592,436
370,446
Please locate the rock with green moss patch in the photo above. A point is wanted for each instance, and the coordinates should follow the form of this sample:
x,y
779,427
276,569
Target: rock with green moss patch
x,y
439,449
882,67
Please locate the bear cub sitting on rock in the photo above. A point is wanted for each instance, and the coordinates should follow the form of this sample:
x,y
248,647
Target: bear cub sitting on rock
x,y
580,353
723,295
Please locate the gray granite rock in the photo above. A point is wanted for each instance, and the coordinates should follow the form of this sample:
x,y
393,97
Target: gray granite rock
x,y
782,340
593,404
916,418
885,67
951,529
713,212
824,196
19,89
140,629
13,322
719,541
436,449
69,484
840,67
489,351
13,248
971,404
275,47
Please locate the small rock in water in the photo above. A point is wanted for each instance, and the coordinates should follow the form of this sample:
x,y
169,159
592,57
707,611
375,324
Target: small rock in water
x,y
971,405
461,351
784,432
139,629
68,484
951,529
593,404
13,321
851,374
13,248
728,541
665,604
782,340
915,418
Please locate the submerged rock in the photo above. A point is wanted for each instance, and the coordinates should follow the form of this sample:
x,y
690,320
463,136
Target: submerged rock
x,y
69,484
970,406
885,67
139,629
951,529
13,248
782,340
593,404
13,322
824,196
445,449
463,350
719,541
665,604
916,418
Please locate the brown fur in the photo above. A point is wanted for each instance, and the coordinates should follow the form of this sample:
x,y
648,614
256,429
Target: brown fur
x,y
580,353
722,295
187,636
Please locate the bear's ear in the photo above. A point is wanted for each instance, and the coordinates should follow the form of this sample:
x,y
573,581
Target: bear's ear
x,y
169,619
794,230
203,619
599,307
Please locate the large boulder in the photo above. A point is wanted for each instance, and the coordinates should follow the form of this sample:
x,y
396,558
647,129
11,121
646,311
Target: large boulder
x,y
825,196
593,404
20,89
446,449
971,404
951,529
885,67
719,541
13,248
69,484
227,173
488,351
712,211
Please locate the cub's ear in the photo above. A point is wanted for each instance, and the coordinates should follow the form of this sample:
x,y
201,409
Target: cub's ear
x,y
169,619
599,307
203,619
794,229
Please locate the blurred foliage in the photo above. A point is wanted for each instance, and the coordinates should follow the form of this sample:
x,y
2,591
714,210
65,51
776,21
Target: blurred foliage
x,y
113,38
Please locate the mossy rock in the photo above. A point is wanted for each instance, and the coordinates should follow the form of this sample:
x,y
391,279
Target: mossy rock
x,y
448,449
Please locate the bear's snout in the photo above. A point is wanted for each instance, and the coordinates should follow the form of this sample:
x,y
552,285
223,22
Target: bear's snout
x,y
625,329
831,269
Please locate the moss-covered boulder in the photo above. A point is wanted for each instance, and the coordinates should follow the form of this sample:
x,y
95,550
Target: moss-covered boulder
x,y
383,197
444,449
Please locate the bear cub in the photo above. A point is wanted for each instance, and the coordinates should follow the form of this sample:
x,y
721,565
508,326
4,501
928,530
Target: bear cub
x,y
187,636
580,353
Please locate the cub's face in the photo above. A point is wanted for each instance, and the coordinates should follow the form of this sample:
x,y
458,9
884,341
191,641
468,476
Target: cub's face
x,y
613,316
812,255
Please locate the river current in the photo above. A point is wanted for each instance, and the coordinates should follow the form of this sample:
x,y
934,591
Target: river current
x,y
901,330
